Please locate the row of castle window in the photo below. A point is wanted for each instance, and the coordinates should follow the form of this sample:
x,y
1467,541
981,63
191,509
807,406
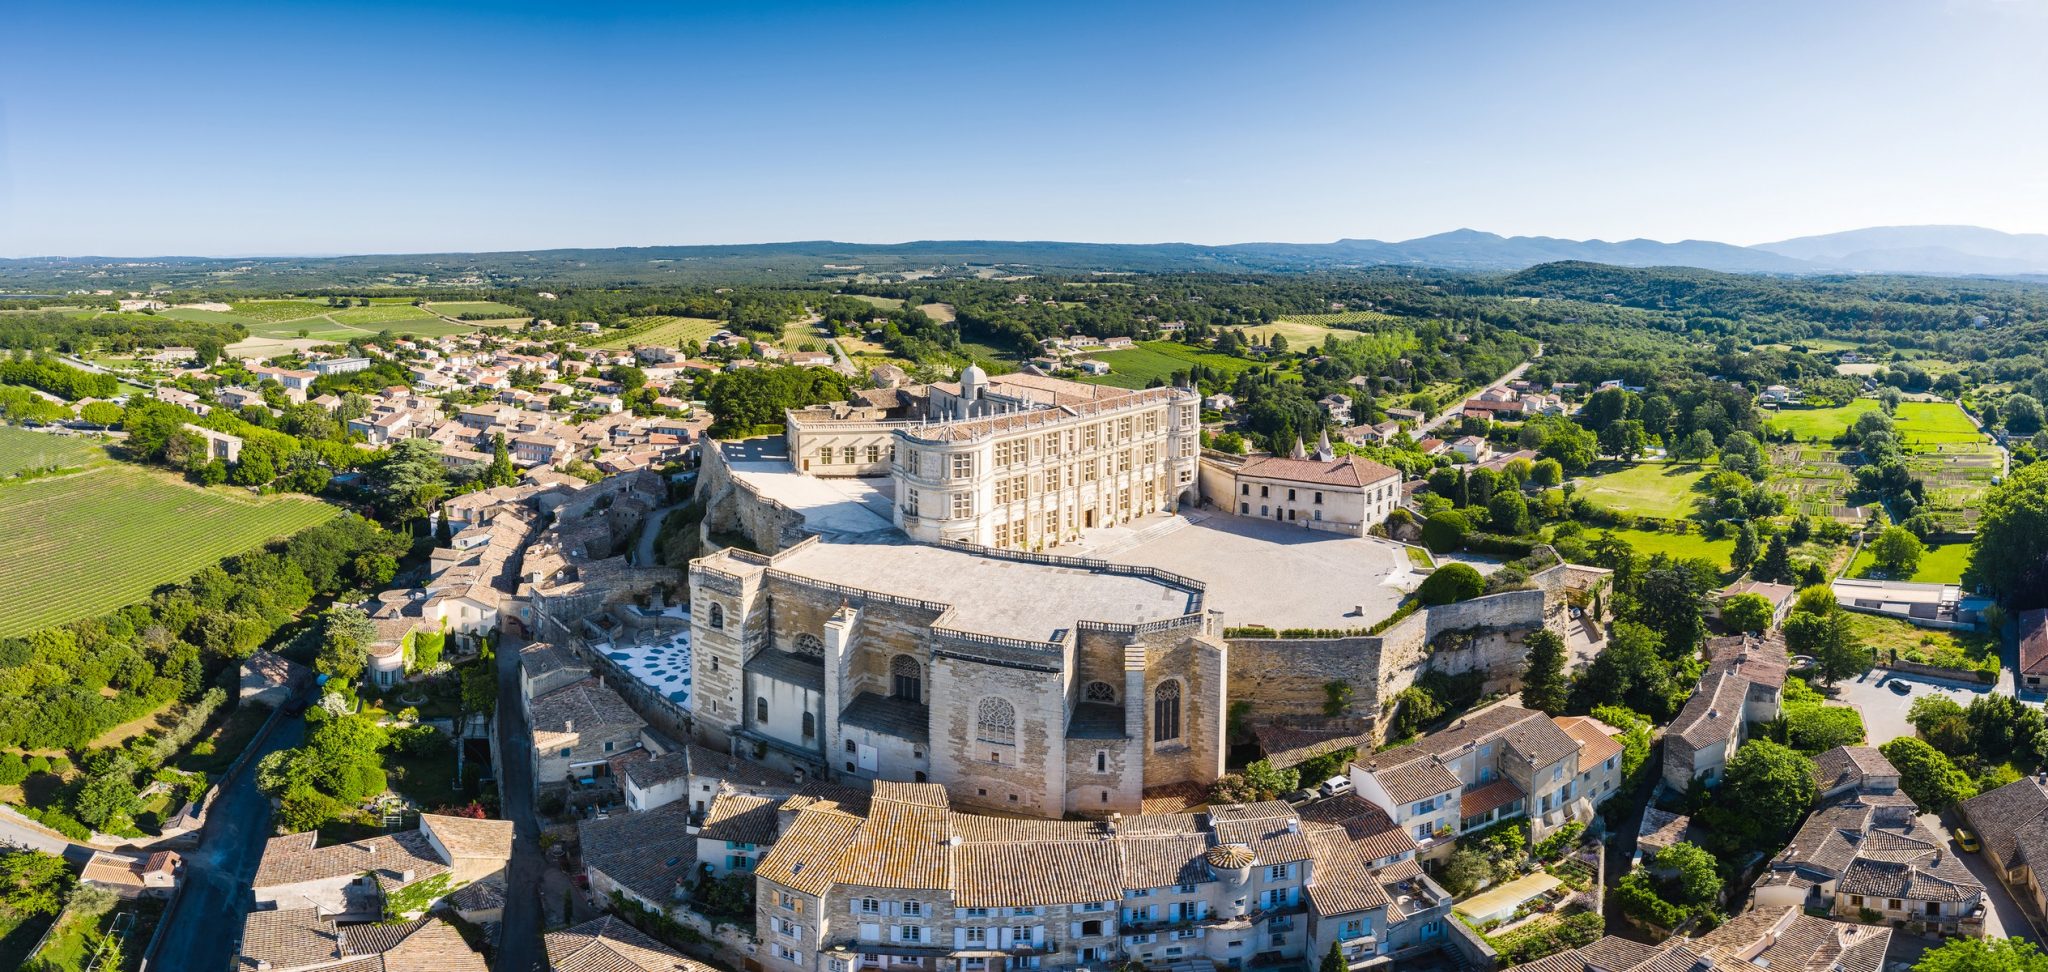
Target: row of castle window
x,y
851,454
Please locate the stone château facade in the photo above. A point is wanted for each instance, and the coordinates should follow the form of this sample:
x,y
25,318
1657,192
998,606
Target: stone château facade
x,y
1015,461
1020,682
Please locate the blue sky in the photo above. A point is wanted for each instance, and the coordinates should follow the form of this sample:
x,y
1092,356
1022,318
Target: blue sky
x,y
220,128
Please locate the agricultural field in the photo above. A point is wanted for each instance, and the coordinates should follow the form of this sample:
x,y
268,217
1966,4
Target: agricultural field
x,y
1159,359
885,303
1297,333
457,308
668,332
1819,424
273,311
22,450
1943,564
84,544
943,313
1346,319
1659,489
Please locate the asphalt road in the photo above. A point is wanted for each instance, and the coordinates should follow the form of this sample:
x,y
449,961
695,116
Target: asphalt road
x,y
1501,382
203,928
519,936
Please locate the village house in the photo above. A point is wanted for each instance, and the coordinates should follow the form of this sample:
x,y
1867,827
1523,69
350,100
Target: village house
x,y
308,940
1499,763
1744,684
578,729
608,944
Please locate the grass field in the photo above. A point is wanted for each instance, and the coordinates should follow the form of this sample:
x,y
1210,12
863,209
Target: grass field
x,y
943,313
1952,649
1649,542
1819,424
1657,489
1943,564
21,450
1158,359
1931,423
85,544
1297,333
668,332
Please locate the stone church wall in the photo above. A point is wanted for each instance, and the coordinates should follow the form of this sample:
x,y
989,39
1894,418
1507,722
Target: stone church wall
x,y
730,507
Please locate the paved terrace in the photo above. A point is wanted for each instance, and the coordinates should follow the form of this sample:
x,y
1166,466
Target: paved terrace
x,y
839,506
1263,573
991,595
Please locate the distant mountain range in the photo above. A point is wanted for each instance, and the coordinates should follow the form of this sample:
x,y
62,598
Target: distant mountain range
x,y
1920,249
1949,250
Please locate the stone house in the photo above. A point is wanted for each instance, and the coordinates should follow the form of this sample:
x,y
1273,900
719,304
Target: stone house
x,y
349,881
1868,852
1496,764
1744,684
308,940
578,729
2012,822
608,944
912,883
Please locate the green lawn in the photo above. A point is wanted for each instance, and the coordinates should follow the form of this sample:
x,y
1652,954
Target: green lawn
x,y
21,449
1943,564
1820,424
1649,542
1159,359
84,544
1929,423
1659,489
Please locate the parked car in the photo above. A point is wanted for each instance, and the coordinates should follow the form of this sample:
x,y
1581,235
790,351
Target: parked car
x,y
1966,839
1900,687
1335,785
1302,795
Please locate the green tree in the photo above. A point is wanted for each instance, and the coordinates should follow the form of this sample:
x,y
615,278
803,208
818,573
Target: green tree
x,y
1928,776
1747,612
1776,566
1697,878
34,883
1624,439
1544,685
1546,473
1333,960
105,799
1631,672
345,637
1830,640
409,479
1983,955
2010,552
1449,583
1898,551
1507,512
1445,531
102,414
1745,548
1468,870
1770,788
1941,722
502,472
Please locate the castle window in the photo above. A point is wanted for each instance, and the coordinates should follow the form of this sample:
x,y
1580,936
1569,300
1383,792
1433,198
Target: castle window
x,y
963,466
717,616
996,722
1102,761
810,726
906,679
1166,712
910,502
849,454
963,505
874,453
1099,692
761,709
808,644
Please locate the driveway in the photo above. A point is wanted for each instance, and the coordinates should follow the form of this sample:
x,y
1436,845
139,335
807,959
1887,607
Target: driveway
x,y
204,927
2005,918
519,937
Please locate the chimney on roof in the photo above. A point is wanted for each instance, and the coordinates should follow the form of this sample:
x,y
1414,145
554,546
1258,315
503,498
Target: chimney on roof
x,y
1116,821
568,725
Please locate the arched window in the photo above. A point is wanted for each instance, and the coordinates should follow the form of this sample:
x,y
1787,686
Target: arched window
x,y
761,709
808,644
996,722
906,679
810,725
1166,712
1099,692
717,615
